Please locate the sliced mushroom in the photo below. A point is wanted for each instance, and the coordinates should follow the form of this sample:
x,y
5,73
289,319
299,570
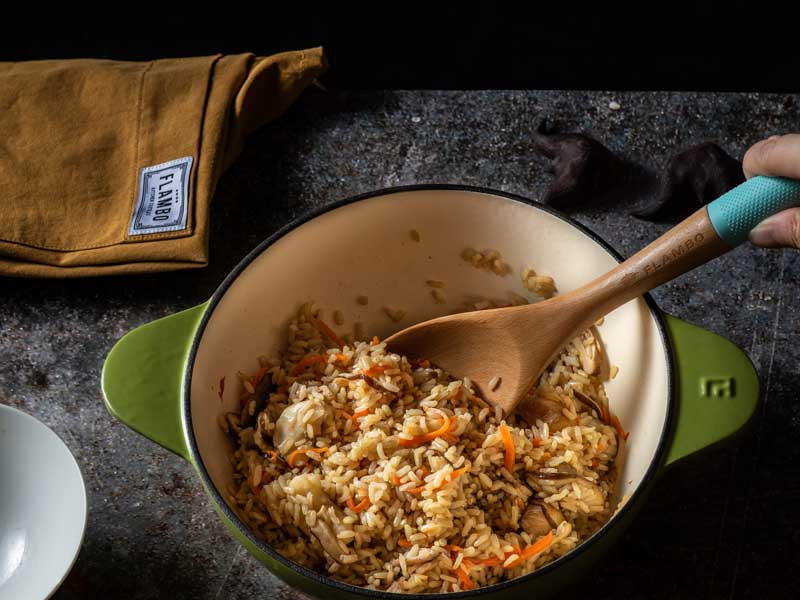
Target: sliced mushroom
x,y
534,521
267,450
545,410
253,408
539,519
588,401
611,451
553,515
551,476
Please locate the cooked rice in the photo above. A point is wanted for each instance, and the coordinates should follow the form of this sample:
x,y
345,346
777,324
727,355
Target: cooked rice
x,y
489,259
541,285
376,497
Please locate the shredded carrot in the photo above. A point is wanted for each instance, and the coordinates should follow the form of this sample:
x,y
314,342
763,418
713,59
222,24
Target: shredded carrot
x,y
292,458
535,548
450,438
395,480
508,443
424,470
464,579
273,456
307,362
404,543
537,442
618,426
357,508
454,548
452,477
595,464
427,437
547,456
329,333
456,474
354,417
425,363
342,358
376,370
488,562
375,340
350,417
256,379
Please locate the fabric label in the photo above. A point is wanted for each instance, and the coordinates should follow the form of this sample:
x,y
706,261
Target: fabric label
x,y
162,203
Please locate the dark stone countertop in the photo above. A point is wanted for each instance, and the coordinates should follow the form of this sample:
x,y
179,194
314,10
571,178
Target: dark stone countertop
x,y
723,524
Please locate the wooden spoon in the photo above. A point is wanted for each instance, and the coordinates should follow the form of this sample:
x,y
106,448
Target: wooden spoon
x,y
516,344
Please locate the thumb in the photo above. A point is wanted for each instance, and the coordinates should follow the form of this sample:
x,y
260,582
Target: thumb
x,y
778,231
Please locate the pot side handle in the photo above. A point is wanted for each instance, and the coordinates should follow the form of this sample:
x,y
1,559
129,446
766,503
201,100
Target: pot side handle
x,y
718,388
143,376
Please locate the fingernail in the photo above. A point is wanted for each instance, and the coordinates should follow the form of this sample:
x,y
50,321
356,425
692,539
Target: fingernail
x,y
763,234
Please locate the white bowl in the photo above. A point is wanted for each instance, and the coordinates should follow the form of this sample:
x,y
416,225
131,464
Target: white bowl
x,y
42,508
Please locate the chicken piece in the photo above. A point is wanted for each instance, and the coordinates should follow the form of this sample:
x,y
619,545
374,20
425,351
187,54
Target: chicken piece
x,y
291,425
321,526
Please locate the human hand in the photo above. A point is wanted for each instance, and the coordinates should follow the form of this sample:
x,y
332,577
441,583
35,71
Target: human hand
x,y
778,156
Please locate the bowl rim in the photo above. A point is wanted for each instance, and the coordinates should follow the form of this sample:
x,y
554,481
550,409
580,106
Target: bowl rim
x,y
21,414
561,562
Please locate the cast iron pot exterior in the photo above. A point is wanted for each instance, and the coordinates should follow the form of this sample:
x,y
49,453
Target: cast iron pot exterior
x,y
148,377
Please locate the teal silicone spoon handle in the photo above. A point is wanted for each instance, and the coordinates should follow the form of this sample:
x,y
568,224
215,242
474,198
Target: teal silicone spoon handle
x,y
737,212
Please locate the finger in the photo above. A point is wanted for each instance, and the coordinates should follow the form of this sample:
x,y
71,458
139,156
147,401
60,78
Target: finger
x,y
778,231
778,156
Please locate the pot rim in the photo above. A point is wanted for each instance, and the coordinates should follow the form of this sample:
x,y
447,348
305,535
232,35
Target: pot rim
x,y
324,580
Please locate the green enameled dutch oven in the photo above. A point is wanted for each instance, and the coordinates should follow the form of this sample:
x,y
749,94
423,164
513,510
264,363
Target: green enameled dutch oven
x,y
679,388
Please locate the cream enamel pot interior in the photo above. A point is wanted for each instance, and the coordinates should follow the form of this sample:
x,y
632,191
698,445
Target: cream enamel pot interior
x,y
679,388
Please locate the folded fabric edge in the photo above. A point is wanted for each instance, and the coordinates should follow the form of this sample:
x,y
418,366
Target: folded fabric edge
x,y
26,270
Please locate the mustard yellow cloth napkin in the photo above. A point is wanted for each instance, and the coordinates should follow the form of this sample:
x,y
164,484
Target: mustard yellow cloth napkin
x,y
109,167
